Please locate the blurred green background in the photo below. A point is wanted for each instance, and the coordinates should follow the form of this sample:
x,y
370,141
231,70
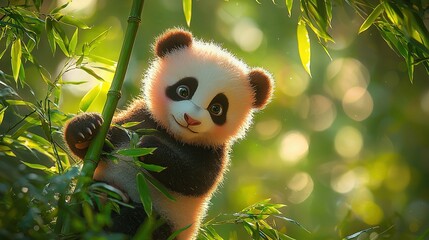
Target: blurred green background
x,y
346,150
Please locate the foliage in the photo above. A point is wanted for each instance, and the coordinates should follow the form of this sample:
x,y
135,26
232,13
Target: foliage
x,y
37,174
400,23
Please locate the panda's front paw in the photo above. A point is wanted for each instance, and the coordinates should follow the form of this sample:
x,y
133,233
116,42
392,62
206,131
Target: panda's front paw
x,y
80,130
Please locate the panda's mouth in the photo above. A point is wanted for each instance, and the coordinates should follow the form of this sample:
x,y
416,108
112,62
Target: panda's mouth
x,y
186,127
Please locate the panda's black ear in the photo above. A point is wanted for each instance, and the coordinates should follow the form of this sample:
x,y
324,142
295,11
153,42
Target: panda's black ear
x,y
171,40
263,85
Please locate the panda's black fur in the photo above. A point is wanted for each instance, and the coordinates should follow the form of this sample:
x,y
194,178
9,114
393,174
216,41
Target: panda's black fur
x,y
200,99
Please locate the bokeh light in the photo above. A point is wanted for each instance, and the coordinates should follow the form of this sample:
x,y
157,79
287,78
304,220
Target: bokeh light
x,y
294,146
300,187
343,74
348,142
322,113
247,35
357,103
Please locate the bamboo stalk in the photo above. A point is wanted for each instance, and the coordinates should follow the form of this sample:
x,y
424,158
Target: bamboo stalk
x,y
94,151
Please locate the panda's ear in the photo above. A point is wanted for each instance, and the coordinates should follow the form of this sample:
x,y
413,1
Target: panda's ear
x,y
171,40
262,84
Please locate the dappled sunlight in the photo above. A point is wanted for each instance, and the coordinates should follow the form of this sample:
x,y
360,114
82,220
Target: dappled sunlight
x,y
357,103
268,129
348,142
83,8
293,82
322,113
293,147
299,187
343,74
247,34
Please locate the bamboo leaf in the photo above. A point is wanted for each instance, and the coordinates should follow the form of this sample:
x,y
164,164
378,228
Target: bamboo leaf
x,y
130,124
89,97
16,53
87,48
56,10
144,193
150,167
177,232
39,167
92,73
73,42
50,35
410,64
161,188
372,17
289,4
2,114
70,20
187,10
135,152
304,46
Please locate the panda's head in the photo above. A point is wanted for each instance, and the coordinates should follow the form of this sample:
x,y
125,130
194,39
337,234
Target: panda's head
x,y
200,93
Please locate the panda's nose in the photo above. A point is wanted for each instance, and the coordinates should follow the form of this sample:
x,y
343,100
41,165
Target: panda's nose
x,y
191,121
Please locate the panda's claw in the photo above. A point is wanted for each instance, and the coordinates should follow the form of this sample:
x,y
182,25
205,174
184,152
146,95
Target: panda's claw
x,y
81,135
89,130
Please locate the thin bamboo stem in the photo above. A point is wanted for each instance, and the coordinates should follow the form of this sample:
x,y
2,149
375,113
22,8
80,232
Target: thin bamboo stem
x,y
94,151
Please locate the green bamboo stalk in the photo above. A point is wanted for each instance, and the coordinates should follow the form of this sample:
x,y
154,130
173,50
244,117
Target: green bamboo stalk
x,y
94,151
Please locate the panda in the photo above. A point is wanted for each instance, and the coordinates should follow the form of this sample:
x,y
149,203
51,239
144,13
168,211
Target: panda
x,y
200,99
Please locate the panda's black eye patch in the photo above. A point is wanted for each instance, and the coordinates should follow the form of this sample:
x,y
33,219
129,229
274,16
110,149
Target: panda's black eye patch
x,y
184,89
218,109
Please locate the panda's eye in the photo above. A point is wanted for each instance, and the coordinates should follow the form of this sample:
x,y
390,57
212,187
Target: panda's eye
x,y
216,109
183,91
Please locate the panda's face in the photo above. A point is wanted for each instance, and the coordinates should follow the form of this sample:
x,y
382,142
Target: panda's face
x,y
201,95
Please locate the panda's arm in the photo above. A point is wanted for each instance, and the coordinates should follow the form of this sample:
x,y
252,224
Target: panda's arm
x,y
190,170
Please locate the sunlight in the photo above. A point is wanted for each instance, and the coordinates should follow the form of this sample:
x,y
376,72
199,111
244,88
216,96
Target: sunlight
x,y
301,186
294,147
247,34
83,8
343,74
268,129
293,82
348,142
322,113
357,103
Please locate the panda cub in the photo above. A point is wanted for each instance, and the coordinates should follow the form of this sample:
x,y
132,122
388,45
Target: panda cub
x,y
200,99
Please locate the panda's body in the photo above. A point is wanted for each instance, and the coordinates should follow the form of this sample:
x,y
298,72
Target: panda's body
x,y
200,99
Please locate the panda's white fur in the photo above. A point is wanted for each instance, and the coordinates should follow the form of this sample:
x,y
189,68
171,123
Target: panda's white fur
x,y
217,72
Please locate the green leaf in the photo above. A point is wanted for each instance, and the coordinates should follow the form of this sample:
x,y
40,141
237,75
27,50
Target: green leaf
x,y
304,46
70,20
150,167
2,114
90,97
73,42
39,167
177,232
92,73
130,124
50,34
16,53
87,48
61,39
161,188
144,194
410,64
289,4
135,152
372,17
187,10
56,10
